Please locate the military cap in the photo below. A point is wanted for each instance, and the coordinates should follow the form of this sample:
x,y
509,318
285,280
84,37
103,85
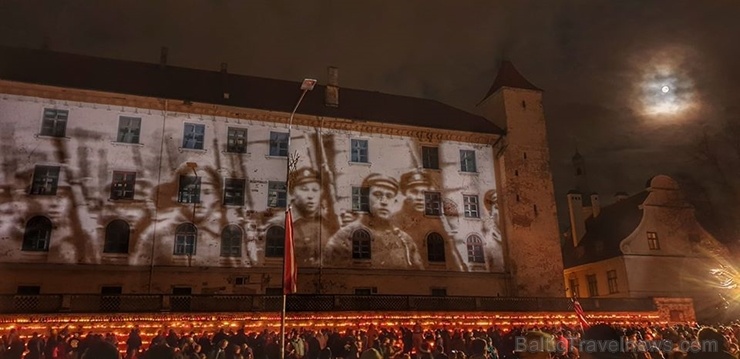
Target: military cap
x,y
303,175
534,342
379,180
414,178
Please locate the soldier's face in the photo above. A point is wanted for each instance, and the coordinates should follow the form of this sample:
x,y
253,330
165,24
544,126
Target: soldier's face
x,y
415,196
381,199
306,197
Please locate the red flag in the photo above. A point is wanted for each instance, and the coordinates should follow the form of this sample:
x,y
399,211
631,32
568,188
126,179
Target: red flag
x,y
290,270
580,313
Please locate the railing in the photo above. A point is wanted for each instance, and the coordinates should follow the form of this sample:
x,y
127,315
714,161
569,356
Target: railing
x,y
151,303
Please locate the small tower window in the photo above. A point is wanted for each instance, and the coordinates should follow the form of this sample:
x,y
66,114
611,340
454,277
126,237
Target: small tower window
x,y
525,155
517,198
524,104
579,171
535,209
516,172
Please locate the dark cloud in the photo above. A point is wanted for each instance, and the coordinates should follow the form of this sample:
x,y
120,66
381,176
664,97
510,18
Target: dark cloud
x,y
591,57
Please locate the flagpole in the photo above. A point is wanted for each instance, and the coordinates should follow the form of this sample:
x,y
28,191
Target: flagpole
x,y
306,86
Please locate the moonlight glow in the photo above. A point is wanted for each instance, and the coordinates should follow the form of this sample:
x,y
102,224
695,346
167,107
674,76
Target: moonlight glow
x,y
666,89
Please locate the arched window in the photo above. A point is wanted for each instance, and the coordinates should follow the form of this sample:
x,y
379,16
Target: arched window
x,y
117,234
361,244
275,242
37,235
435,247
475,250
186,236
231,241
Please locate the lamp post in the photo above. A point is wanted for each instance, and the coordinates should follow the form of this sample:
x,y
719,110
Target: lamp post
x,y
306,85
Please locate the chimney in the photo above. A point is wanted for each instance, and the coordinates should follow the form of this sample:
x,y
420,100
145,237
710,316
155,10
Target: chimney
x,y
621,196
595,205
332,87
163,56
577,222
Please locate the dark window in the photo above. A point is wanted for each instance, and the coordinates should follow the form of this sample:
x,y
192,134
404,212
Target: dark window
x,y
430,157
117,235
439,292
475,250
28,290
279,144
593,287
113,290
432,204
275,242
185,239
471,206
611,277
236,140
579,171
365,291
231,241
276,195
182,291
123,185
37,235
274,291
359,151
653,242
234,191
194,136
129,129
435,247
467,161
361,199
361,244
54,123
575,289
189,189
45,180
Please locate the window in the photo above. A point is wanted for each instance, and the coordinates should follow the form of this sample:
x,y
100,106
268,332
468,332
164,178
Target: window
x,y
439,292
28,290
236,140
234,191
194,136
361,199
593,288
575,289
435,247
653,242
471,206
231,241
276,195
128,129
611,277
45,180
123,185
366,291
37,235
467,161
185,239
117,234
54,123
275,242
278,144
430,157
189,189
475,250
361,244
241,280
432,204
274,291
359,151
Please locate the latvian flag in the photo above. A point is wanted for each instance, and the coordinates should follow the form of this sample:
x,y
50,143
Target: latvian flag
x,y
580,313
290,269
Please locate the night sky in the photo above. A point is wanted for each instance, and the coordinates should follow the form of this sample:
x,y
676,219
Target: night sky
x,y
641,87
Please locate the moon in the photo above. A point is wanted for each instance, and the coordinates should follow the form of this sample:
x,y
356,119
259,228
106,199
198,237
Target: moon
x,y
665,89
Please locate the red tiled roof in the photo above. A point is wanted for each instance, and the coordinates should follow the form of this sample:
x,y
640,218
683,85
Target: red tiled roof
x,y
153,80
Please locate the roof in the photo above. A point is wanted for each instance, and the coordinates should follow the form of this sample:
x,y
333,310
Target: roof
x,y
153,80
509,76
605,233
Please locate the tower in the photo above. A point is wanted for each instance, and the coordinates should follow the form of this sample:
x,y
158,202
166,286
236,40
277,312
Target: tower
x,y
524,183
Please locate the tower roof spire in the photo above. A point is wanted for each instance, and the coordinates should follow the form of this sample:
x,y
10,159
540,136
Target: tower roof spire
x,y
508,76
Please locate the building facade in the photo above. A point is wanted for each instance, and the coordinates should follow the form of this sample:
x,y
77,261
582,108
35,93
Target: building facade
x,y
122,177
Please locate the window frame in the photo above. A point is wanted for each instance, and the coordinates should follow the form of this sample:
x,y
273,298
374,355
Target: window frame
x,y
42,180
611,277
31,243
359,150
362,249
134,131
119,243
120,183
433,203
653,241
193,135
468,161
232,139
234,191
231,245
279,142
277,194
435,248
430,157
185,195
575,287
55,121
593,285
474,246
471,206
184,240
361,199
275,242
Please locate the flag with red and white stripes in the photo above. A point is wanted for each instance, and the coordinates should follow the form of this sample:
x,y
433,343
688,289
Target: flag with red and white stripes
x,y
290,269
580,313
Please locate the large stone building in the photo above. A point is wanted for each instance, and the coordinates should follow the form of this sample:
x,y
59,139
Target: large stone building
x,y
122,177
649,244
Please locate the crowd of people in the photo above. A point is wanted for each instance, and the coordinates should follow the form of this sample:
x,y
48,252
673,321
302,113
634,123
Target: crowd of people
x,y
600,341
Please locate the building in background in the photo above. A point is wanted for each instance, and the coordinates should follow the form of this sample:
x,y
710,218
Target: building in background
x,y
122,177
645,245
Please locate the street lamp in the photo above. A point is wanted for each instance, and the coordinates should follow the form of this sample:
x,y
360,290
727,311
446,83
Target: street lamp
x,y
306,85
